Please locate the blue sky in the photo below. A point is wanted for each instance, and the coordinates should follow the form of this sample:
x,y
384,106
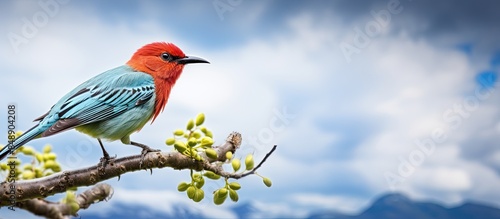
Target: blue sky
x,y
356,118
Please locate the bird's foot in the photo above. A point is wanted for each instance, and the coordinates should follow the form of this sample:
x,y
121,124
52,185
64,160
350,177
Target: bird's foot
x,y
105,160
145,149
144,152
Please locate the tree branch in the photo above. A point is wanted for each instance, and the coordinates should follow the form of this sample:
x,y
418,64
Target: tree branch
x,y
58,183
60,210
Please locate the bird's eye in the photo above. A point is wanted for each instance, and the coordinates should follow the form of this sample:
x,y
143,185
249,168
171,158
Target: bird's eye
x,y
166,57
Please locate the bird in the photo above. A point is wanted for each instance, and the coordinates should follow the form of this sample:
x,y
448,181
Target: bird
x,y
116,103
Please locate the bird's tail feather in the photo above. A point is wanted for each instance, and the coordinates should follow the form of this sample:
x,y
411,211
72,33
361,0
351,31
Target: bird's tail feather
x,y
20,141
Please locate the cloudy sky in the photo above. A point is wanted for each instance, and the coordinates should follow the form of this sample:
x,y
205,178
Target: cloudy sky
x,y
362,98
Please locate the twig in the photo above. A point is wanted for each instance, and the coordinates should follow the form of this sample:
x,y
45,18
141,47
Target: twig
x,y
261,162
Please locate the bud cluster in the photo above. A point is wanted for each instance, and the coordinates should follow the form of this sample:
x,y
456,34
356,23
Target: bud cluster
x,y
42,164
196,140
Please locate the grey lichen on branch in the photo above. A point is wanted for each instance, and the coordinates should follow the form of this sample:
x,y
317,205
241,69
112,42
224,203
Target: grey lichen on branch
x,y
61,182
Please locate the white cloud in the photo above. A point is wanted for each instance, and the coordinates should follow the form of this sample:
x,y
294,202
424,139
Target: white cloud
x,y
272,210
445,179
344,204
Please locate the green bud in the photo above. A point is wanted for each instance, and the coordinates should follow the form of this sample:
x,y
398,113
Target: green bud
x,y
50,156
4,166
192,142
219,201
38,172
27,167
170,141
249,162
209,134
190,124
211,175
49,164
183,186
233,195
179,132
200,118
70,197
211,153
47,149
267,181
199,195
45,157
234,185
39,157
207,141
222,192
28,174
56,168
229,155
197,177
27,150
219,198
197,135
203,129
236,163
200,183
180,146
191,192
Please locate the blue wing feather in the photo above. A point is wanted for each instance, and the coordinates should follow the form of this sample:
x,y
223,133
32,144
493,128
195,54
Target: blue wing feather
x,y
100,98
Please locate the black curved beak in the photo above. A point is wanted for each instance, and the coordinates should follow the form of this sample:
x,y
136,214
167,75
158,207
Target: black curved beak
x,y
190,60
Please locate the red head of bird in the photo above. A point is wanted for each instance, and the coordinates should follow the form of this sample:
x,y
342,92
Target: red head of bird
x,y
164,62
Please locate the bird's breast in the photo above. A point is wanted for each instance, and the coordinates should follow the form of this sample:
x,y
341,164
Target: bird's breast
x,y
122,125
